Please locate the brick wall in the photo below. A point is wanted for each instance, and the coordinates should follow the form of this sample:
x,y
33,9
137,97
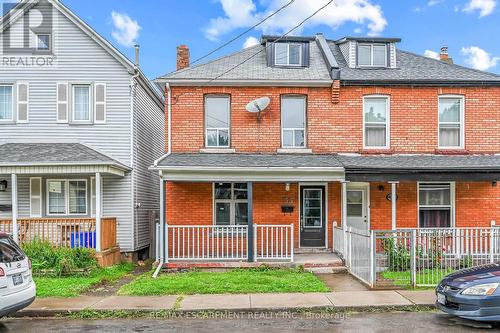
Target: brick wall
x,y
338,127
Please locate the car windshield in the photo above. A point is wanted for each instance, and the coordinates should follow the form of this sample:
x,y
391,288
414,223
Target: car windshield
x,y
9,251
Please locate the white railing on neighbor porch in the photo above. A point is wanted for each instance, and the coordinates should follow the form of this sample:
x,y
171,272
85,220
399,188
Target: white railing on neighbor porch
x,y
229,243
416,257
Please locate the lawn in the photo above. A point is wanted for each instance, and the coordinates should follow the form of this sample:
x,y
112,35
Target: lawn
x,y
70,286
237,281
426,276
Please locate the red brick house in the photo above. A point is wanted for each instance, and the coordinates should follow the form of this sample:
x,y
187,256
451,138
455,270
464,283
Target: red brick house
x,y
351,124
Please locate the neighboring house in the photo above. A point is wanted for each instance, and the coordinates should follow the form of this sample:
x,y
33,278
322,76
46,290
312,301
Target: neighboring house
x,y
79,127
351,124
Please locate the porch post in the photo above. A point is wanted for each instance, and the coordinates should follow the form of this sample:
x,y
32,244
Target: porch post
x,y
344,216
15,230
98,211
250,230
163,235
393,204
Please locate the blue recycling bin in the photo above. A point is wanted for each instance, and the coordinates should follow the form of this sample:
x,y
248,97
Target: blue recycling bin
x,y
84,239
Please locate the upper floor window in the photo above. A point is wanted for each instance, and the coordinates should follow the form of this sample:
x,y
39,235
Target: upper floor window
x,y
293,121
6,102
376,122
451,122
217,121
43,42
288,54
81,103
374,55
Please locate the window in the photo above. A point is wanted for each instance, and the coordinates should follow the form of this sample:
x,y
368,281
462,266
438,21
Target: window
x,y
376,122
231,203
373,55
355,203
6,105
435,202
451,118
43,42
287,54
81,103
67,197
293,121
217,120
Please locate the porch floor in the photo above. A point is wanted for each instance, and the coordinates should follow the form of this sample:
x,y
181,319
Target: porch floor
x,y
324,260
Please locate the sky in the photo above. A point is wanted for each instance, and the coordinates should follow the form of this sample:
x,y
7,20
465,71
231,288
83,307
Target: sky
x,y
470,28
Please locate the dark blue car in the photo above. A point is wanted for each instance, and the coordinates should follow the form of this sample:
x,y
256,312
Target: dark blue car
x,y
471,293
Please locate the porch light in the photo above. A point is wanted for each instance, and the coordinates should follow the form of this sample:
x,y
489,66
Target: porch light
x,y
287,187
494,184
3,185
381,188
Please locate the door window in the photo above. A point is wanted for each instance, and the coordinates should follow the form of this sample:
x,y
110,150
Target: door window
x,y
313,208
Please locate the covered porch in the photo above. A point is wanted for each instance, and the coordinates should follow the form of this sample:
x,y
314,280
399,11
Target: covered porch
x,y
55,192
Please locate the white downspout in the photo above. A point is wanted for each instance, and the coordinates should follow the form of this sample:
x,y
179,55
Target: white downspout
x,y
163,249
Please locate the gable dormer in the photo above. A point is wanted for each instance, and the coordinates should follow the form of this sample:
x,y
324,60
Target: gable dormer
x,y
370,52
291,52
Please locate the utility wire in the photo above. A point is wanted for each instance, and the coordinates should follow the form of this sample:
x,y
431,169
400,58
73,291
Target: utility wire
x,y
261,50
243,33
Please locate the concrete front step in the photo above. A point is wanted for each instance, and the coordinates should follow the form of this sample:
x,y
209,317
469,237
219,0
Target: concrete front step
x,y
304,250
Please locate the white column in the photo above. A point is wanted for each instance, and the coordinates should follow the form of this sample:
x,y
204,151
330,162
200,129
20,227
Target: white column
x,y
344,205
98,211
393,204
15,229
163,226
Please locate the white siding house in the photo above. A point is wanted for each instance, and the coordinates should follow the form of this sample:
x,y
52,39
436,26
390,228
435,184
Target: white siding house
x,y
80,93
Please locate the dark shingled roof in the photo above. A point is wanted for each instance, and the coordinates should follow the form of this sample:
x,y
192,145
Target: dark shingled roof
x,y
249,160
14,154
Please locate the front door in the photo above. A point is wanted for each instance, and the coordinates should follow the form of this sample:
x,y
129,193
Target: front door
x,y
357,208
312,216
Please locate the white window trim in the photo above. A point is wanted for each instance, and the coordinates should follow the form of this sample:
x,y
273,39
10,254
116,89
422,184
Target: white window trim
x,y
387,122
13,104
371,55
38,42
228,129
86,121
66,201
39,179
232,203
288,55
18,102
462,123
283,129
452,201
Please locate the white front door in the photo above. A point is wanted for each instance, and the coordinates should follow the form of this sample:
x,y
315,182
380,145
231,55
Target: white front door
x,y
357,207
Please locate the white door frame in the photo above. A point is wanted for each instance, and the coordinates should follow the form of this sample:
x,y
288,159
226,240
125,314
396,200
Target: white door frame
x,y
366,188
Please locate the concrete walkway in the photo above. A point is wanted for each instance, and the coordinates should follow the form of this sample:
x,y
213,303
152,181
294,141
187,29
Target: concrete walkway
x,y
241,302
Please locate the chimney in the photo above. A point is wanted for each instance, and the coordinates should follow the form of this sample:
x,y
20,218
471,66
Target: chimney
x,y
182,57
443,55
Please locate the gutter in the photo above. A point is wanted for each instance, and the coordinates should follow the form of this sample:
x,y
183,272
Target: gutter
x,y
162,190
426,83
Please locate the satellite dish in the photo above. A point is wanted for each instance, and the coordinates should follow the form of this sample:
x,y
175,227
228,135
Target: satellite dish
x,y
258,105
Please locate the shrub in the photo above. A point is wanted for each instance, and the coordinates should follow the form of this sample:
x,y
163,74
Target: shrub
x,y
59,261
398,255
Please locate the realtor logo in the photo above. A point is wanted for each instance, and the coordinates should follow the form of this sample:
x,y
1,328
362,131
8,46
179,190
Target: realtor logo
x,y
28,34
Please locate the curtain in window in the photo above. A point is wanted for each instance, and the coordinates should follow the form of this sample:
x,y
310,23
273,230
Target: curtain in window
x,y
449,122
435,218
81,103
375,114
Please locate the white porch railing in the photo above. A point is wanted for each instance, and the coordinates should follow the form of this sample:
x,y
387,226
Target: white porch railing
x,y
273,242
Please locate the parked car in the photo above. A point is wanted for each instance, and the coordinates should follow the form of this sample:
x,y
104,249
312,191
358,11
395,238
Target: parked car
x,y
471,293
17,288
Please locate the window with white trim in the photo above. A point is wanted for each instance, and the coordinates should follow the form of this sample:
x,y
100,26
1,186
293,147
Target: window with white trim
x,y
81,103
376,121
287,54
6,103
435,205
230,203
217,121
43,42
293,121
451,119
67,197
372,55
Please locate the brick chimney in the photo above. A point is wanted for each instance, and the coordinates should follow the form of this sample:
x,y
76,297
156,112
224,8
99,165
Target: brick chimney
x,y
182,57
443,55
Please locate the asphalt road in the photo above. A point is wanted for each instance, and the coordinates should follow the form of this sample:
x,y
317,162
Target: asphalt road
x,y
260,322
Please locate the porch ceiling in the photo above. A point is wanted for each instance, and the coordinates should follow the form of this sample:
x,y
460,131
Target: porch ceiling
x,y
52,158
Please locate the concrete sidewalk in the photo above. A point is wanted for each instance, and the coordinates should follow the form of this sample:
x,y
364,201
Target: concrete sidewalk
x,y
239,302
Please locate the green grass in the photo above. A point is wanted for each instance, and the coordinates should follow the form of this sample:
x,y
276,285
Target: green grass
x,y
427,276
71,286
237,281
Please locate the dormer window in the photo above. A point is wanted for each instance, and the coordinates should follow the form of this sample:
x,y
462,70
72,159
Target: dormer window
x,y
372,55
288,54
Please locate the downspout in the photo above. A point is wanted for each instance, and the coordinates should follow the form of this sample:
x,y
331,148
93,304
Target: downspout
x,y
163,251
133,85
